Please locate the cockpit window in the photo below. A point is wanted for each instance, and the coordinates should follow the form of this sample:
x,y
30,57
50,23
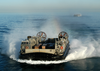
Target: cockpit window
x,y
24,42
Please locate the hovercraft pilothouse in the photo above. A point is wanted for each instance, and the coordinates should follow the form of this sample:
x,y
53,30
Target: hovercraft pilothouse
x,y
39,48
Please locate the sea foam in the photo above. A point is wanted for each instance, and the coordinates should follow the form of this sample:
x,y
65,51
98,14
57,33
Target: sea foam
x,y
79,48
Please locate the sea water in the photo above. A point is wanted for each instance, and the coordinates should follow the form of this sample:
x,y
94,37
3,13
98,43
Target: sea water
x,y
84,37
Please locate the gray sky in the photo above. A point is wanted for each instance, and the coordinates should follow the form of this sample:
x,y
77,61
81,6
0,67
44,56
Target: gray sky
x,y
48,5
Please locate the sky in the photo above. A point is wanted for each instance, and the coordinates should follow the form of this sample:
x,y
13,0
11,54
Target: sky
x,y
48,5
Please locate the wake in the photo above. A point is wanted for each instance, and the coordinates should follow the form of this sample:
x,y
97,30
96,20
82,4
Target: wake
x,y
80,48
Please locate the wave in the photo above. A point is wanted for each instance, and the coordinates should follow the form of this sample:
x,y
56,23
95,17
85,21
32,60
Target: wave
x,y
80,48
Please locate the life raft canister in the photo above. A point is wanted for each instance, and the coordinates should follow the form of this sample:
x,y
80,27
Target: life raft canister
x,y
61,47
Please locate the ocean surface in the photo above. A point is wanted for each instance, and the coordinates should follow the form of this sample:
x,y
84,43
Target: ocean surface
x,y
84,37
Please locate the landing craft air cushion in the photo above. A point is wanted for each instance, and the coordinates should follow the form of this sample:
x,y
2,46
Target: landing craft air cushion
x,y
39,48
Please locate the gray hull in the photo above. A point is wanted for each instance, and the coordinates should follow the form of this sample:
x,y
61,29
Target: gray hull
x,y
42,56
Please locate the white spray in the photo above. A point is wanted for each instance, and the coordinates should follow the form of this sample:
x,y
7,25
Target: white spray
x,y
79,48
